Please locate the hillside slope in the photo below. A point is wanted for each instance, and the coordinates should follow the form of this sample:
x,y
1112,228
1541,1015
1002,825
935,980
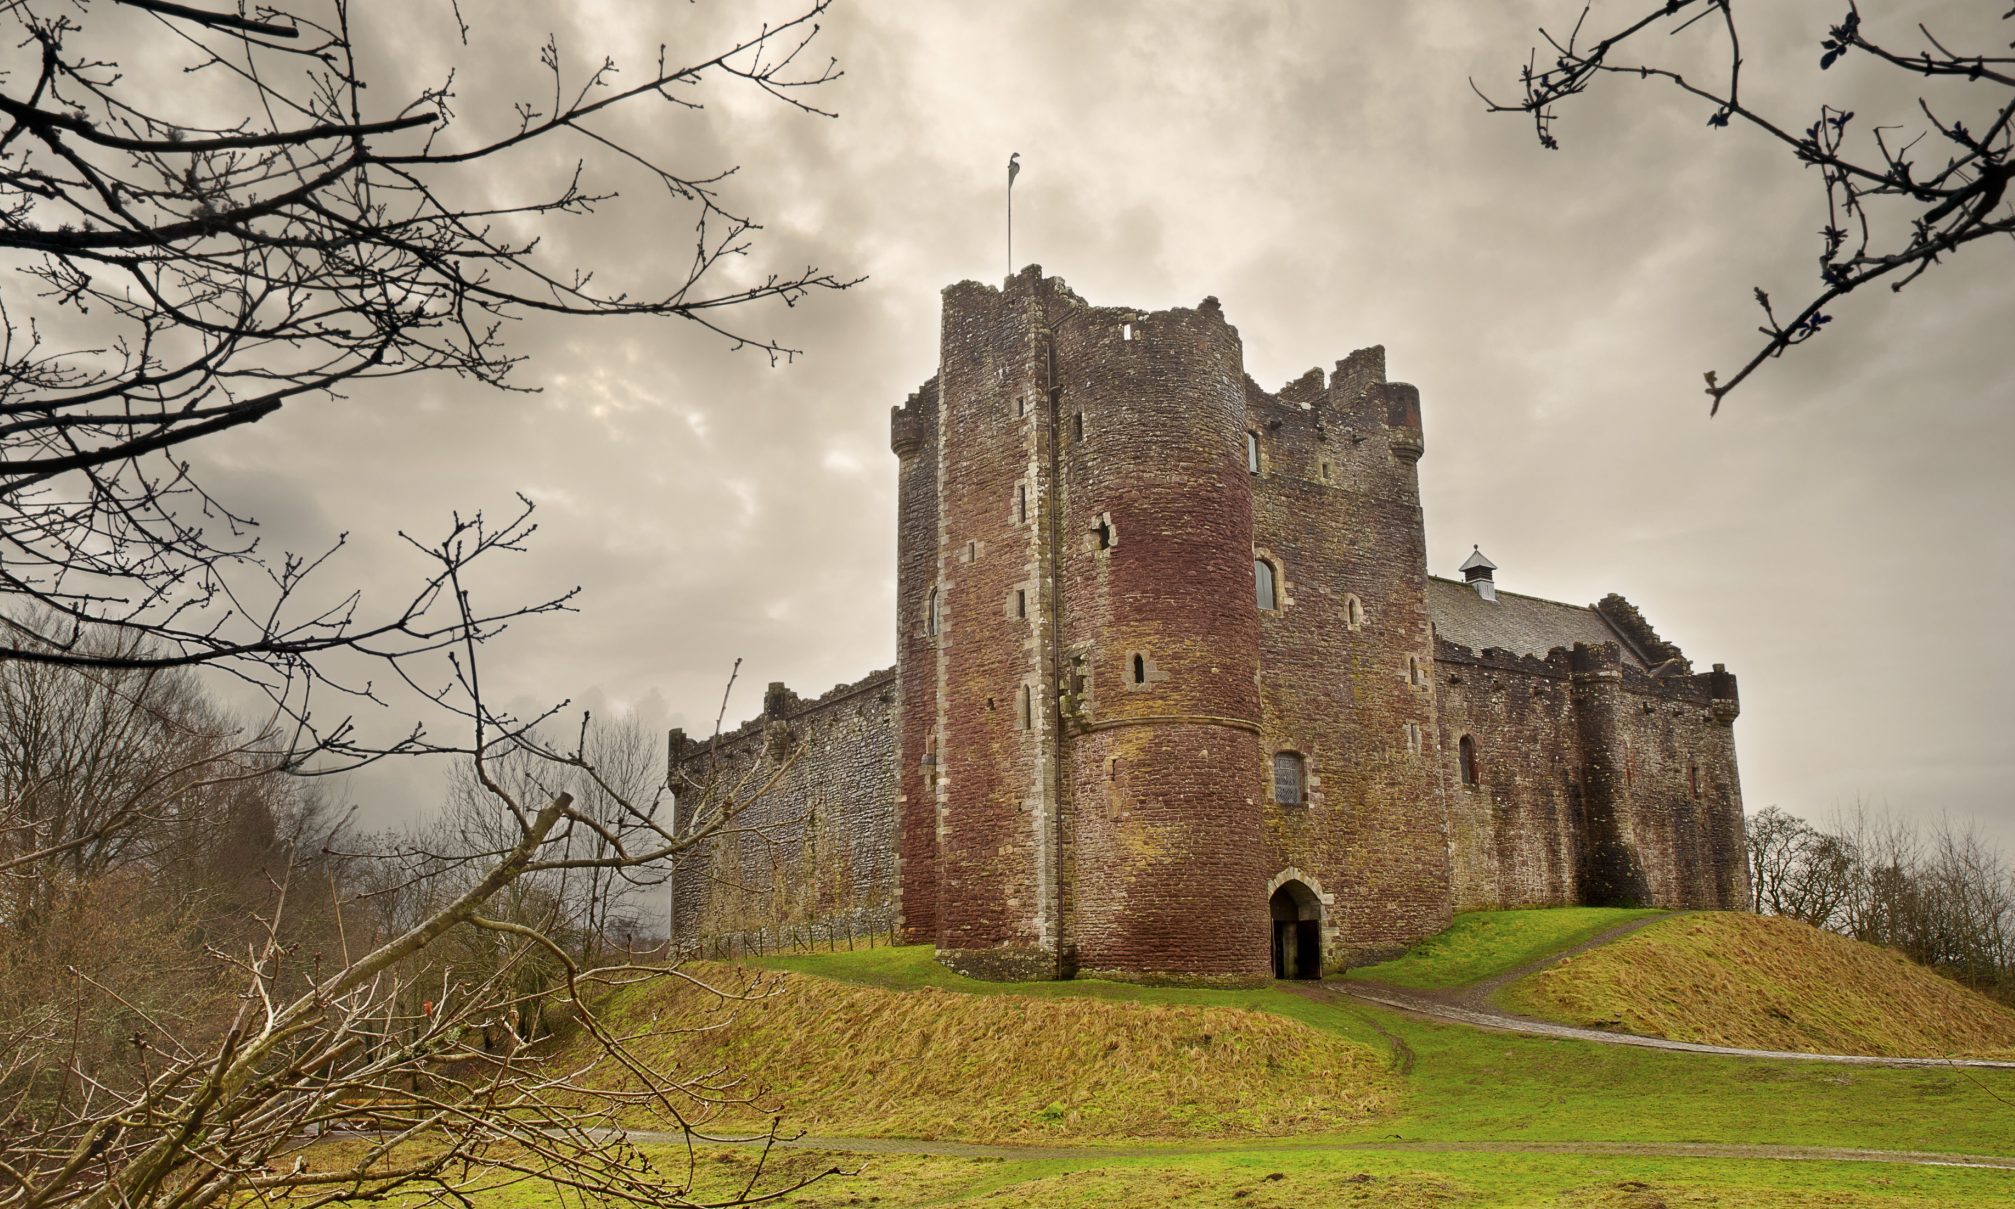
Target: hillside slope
x,y
1764,982
929,1063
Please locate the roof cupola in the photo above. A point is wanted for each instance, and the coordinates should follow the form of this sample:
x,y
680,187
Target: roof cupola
x,y
1476,572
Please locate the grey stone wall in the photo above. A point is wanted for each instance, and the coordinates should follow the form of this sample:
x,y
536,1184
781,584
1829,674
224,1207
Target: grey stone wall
x,y
809,793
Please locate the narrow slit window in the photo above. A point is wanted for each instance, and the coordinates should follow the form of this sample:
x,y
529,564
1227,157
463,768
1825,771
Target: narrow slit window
x,y
1693,779
1466,755
1252,452
1079,423
1140,674
1027,707
1104,533
1021,602
1413,743
1263,584
1288,777
1414,673
1126,331
934,615
1353,612
1021,503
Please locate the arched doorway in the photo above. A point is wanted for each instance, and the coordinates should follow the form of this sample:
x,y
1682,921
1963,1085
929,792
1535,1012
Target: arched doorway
x,y
1297,931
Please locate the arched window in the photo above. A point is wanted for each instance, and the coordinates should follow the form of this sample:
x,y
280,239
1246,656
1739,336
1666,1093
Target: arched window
x,y
1263,583
1140,672
1287,778
934,615
1466,753
1252,452
1353,612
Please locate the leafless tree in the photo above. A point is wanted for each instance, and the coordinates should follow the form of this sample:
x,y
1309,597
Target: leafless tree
x,y
1937,891
415,1031
207,214
1796,869
1902,191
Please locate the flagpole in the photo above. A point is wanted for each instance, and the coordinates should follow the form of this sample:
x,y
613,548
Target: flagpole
x,y
1014,168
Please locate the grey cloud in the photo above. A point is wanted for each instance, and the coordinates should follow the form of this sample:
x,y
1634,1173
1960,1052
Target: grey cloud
x,y
1839,536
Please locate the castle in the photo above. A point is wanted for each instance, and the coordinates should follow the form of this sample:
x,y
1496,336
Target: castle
x,y
1175,696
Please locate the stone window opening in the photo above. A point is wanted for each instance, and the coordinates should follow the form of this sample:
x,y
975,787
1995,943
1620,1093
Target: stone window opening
x,y
1465,752
1416,674
1693,780
1112,770
1140,675
1021,603
1079,422
1289,778
1107,539
1413,738
1126,331
972,552
1027,708
934,614
1002,371
1021,503
1353,612
1252,452
1265,585
1325,472
1020,406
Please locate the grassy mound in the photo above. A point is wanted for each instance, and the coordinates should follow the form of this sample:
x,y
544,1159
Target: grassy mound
x,y
1763,982
1482,944
930,1063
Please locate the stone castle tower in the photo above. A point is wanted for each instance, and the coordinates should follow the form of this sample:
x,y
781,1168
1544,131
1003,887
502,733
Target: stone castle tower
x,y
1175,694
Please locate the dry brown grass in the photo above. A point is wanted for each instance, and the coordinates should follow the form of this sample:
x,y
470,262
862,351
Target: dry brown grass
x,y
1765,982
837,1058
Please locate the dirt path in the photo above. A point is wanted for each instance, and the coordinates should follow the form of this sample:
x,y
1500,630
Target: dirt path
x,y
1696,1150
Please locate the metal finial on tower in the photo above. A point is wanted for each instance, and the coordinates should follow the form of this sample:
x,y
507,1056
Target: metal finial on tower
x,y
1014,170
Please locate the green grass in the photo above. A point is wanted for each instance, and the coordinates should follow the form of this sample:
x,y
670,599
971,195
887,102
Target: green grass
x,y
929,1062
1473,1084
1482,944
1289,1178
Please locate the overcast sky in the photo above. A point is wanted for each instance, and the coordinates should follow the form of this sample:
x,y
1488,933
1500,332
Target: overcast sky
x,y
1839,537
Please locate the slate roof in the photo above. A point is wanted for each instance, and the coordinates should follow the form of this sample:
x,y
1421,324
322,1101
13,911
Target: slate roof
x,y
1523,625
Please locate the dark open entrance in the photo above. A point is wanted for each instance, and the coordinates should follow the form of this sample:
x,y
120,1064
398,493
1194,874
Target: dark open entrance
x,y
1297,932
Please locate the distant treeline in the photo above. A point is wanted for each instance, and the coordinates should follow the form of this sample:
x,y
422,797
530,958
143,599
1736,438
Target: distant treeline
x,y
152,847
1938,892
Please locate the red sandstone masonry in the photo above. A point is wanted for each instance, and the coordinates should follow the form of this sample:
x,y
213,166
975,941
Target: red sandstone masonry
x,y
913,435
1081,774
1165,877
1338,511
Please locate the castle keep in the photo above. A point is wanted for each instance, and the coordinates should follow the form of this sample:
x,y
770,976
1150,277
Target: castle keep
x,y
1175,696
